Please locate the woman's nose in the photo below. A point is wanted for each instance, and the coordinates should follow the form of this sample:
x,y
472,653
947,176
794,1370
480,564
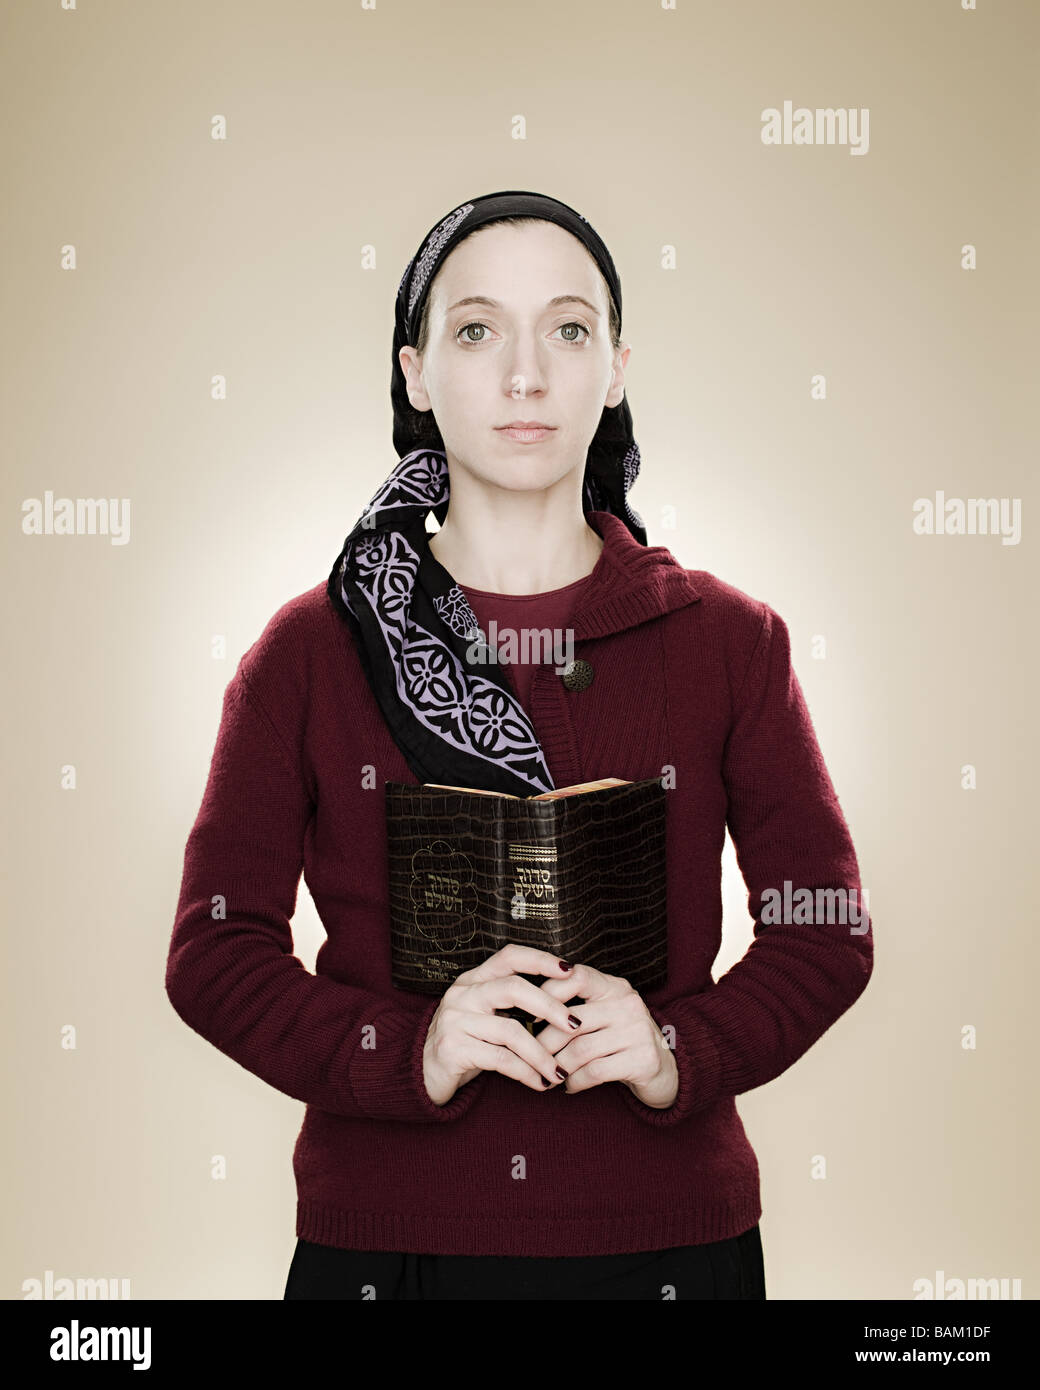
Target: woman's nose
x,y
525,370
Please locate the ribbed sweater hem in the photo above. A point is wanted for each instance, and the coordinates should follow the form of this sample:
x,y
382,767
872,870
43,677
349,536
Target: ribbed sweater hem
x,y
515,1235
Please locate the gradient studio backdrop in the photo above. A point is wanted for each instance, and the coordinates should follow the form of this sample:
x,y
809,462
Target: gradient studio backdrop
x,y
904,279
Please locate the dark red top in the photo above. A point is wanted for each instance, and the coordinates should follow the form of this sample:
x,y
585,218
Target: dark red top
x,y
529,612
692,681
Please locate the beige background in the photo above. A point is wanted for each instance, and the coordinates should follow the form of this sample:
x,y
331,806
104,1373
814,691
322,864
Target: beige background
x,y
351,127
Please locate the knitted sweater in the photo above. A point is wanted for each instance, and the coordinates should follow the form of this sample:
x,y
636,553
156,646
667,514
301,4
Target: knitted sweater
x,y
692,680
550,611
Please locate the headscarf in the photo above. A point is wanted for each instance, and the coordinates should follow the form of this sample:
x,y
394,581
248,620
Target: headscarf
x,y
453,716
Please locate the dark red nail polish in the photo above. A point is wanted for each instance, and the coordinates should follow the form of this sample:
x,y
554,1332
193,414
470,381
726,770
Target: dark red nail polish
x,y
563,1075
574,1022
546,1081
565,965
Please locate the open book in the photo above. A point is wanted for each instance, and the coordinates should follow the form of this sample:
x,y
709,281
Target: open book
x,y
575,790
579,871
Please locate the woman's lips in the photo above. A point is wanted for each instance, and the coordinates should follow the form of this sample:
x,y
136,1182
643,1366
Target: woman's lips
x,y
527,435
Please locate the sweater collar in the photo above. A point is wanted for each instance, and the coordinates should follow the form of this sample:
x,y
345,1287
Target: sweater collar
x,y
630,584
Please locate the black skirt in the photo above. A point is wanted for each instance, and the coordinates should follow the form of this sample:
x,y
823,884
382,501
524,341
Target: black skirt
x,y
721,1269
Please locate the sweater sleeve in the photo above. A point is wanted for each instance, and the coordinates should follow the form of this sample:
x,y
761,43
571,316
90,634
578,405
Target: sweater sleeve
x,y
231,974
806,965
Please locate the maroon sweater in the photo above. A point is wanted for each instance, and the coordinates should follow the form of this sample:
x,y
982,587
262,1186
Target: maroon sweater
x,y
692,680
551,610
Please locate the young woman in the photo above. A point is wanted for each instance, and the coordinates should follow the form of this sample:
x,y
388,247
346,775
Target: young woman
x,y
446,1151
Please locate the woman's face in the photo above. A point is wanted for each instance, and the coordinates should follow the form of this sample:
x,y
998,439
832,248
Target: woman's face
x,y
516,355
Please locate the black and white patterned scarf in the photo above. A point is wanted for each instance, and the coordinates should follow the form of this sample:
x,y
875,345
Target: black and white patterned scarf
x,y
454,716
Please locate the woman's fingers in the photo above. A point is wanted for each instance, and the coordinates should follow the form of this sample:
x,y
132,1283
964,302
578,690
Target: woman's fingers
x,y
504,1045
499,983
514,959
587,981
515,992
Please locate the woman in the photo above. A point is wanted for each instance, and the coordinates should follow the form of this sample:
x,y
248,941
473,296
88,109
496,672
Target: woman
x,y
446,1151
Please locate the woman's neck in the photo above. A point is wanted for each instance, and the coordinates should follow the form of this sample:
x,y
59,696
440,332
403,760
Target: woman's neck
x,y
515,559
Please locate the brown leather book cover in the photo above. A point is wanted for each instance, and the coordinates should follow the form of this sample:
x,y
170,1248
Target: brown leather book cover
x,y
579,871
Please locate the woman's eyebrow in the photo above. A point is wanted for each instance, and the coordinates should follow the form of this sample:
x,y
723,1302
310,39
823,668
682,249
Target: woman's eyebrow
x,y
494,304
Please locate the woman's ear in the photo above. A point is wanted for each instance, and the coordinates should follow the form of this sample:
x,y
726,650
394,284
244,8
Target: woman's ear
x,y
411,365
616,393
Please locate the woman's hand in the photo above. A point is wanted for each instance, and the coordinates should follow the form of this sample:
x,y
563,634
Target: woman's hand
x,y
466,1036
618,1039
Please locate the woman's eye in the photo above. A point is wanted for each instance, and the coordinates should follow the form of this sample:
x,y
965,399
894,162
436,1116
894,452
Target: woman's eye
x,y
464,330
586,331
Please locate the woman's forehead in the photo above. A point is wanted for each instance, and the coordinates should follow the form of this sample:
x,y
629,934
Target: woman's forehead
x,y
528,262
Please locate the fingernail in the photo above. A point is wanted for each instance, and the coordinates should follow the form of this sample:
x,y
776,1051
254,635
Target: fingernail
x,y
546,1081
563,1075
574,1022
565,965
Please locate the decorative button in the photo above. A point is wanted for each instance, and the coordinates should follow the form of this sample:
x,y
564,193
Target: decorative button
x,y
578,675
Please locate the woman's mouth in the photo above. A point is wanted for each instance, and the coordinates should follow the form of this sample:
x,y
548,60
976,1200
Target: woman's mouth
x,y
526,431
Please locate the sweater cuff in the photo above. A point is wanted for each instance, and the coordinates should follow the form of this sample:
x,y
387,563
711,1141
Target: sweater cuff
x,y
387,1078
696,1060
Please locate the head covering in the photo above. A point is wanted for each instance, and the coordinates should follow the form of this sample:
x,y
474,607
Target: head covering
x,y
452,714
